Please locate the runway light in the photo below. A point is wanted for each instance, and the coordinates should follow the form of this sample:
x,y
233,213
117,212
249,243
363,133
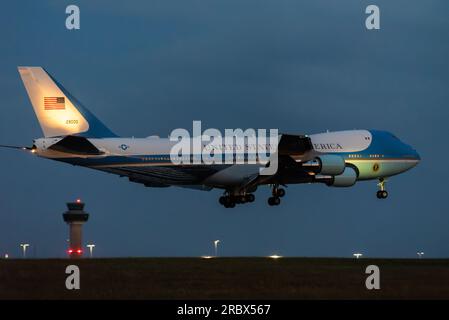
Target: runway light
x,y
6,256
70,251
79,251
91,248
24,249
216,242
206,257
275,256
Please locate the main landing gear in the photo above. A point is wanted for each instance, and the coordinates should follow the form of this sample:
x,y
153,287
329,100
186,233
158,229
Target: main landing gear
x,y
382,193
230,200
278,193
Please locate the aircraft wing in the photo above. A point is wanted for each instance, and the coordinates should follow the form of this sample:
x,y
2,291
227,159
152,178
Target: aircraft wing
x,y
294,145
291,148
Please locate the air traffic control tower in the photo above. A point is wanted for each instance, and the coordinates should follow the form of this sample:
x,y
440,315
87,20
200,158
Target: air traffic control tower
x,y
75,217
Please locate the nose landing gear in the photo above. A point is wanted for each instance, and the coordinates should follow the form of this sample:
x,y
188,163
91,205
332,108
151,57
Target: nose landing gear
x,y
382,193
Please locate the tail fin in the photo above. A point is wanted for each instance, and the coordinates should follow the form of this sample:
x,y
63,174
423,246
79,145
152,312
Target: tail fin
x,y
58,112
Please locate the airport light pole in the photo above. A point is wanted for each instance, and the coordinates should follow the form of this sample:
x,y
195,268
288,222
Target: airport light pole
x,y
216,242
420,254
91,249
24,249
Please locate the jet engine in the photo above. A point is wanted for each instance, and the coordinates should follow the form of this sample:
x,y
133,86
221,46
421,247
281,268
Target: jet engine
x,y
347,179
331,165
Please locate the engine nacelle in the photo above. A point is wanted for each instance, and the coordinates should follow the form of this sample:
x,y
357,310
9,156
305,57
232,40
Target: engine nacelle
x,y
331,165
347,179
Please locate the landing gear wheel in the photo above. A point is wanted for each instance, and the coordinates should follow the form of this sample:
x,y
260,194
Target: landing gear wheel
x,y
382,194
280,192
277,192
274,201
250,198
229,202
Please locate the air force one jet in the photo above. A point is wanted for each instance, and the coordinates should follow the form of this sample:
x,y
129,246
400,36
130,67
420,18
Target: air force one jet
x,y
72,134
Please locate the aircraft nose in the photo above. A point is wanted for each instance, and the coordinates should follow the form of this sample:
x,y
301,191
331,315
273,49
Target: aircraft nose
x,y
414,153
418,157
415,156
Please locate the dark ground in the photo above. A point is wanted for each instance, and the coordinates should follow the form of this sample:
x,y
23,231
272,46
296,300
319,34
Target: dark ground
x,y
225,278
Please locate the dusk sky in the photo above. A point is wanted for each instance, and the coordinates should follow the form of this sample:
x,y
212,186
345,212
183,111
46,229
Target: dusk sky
x,y
148,67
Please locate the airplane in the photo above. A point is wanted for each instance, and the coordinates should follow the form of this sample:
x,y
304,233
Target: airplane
x,y
74,135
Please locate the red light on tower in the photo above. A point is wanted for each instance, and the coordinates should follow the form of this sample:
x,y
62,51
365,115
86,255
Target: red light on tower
x,y
78,200
78,252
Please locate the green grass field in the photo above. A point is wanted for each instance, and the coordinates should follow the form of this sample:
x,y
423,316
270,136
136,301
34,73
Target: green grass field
x,y
225,278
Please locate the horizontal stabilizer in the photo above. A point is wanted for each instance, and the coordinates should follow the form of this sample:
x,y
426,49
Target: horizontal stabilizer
x,y
76,145
17,147
13,147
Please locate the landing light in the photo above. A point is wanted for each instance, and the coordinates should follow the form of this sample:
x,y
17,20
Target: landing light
x,y
275,256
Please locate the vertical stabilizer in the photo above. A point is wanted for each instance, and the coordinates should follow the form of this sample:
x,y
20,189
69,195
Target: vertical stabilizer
x,y
58,112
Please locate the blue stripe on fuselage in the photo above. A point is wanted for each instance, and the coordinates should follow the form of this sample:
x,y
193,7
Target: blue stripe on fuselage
x,y
128,160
